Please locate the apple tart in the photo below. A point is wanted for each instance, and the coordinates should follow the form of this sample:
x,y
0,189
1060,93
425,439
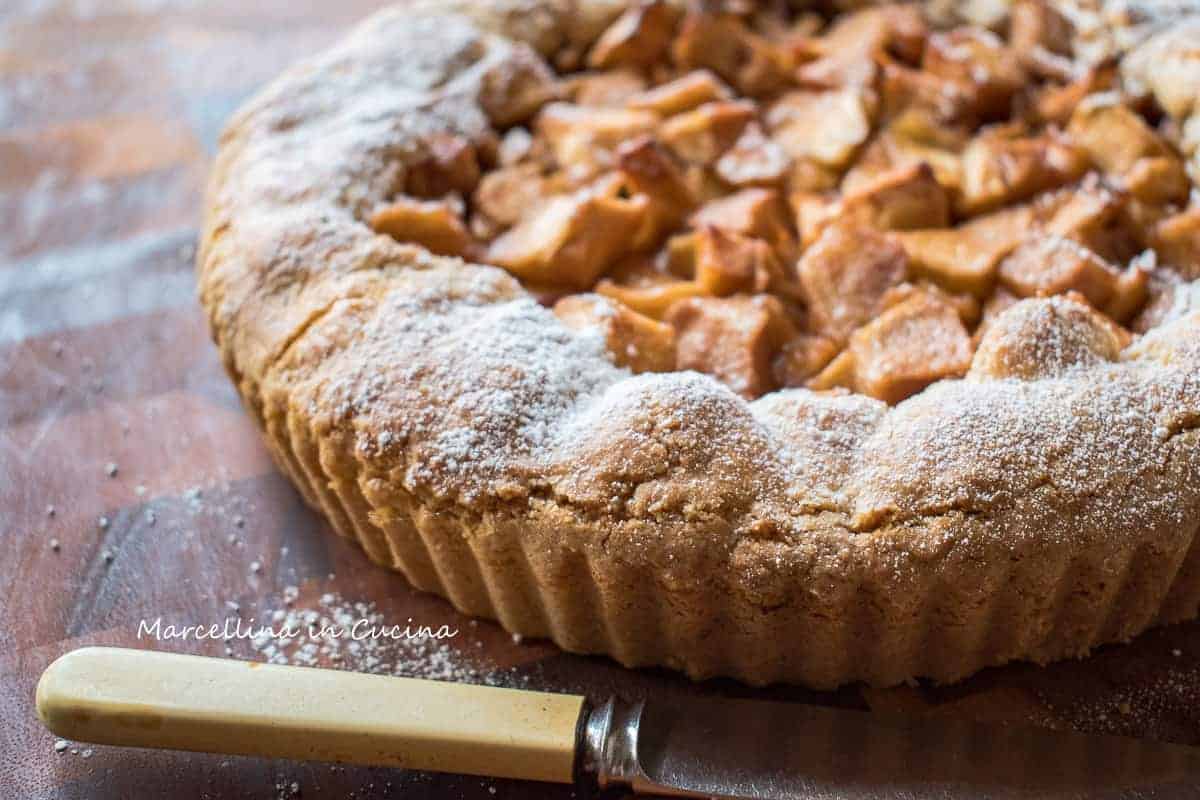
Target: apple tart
x,y
779,341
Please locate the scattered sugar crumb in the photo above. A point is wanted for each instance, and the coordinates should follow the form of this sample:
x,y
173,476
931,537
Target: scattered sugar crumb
x,y
420,655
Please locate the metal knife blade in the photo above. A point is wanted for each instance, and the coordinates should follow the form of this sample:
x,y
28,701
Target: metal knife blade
x,y
750,750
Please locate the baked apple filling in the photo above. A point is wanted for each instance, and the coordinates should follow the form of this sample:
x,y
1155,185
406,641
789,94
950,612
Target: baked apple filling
x,y
774,200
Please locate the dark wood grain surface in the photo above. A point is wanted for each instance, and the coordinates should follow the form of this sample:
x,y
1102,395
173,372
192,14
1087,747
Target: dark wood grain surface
x,y
109,114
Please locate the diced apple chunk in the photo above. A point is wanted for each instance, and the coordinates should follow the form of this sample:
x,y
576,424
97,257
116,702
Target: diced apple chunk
x,y
967,306
506,195
1048,265
450,165
899,353
1057,104
726,263
723,44
634,340
755,212
802,357
651,299
701,135
849,51
1037,30
964,259
1000,168
979,59
903,199
1094,215
1176,239
682,94
1120,142
433,224
638,38
734,339
573,239
583,138
651,171
754,160
604,89
844,277
827,127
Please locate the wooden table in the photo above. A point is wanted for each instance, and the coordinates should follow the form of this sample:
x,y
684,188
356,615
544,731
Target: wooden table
x,y
113,407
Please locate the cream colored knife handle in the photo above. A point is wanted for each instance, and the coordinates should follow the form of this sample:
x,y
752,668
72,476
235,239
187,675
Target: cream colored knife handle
x,y
143,698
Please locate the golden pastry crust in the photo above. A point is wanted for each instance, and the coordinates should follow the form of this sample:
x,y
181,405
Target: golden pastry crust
x,y
435,412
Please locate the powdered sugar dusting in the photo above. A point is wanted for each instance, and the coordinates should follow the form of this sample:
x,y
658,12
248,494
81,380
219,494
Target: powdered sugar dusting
x,y
335,632
504,372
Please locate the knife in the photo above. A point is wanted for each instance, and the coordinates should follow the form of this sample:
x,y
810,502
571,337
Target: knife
x,y
694,747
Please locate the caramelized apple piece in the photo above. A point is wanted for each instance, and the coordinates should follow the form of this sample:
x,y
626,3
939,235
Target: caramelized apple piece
x,y
726,263
902,199
604,89
967,306
978,59
1058,103
902,351
635,340
844,277
754,160
509,193
1039,34
905,89
912,137
1121,143
1176,239
755,212
572,239
999,168
906,198
583,138
827,127
1048,265
678,256
433,224
701,135
638,38
964,259
450,165
731,338
650,298
1097,217
848,53
802,357
650,170
722,43
682,94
